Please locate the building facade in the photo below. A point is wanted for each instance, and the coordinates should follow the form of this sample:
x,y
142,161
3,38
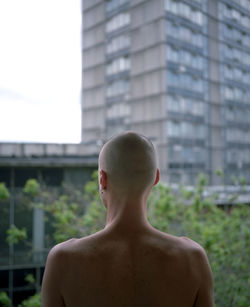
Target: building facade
x,y
52,165
176,71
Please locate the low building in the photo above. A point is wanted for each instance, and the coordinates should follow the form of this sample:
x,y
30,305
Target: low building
x,y
52,165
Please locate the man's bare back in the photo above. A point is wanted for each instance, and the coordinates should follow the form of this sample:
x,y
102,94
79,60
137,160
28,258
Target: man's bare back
x,y
149,269
128,264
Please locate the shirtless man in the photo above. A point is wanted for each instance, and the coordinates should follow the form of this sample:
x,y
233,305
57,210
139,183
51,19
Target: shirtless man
x,y
128,263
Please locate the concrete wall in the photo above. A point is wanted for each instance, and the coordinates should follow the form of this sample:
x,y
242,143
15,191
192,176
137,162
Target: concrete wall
x,y
93,115
148,74
215,115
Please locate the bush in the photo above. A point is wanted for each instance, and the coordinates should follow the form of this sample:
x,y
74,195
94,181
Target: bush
x,y
4,193
225,235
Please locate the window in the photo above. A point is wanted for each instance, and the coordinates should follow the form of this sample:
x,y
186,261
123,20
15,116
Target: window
x,y
174,129
172,78
228,93
187,130
228,72
198,108
199,154
184,57
238,93
184,10
114,4
185,34
118,110
118,43
185,81
117,22
116,88
172,54
228,51
197,61
236,15
173,103
174,153
185,105
230,113
118,65
114,129
187,154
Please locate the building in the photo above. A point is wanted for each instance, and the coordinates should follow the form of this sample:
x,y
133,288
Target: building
x,y
176,71
51,165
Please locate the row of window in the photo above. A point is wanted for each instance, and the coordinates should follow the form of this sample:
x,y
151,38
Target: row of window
x,y
118,65
185,81
118,43
236,55
118,110
186,154
185,105
238,135
238,115
114,4
184,10
114,129
182,129
244,3
236,35
239,156
236,94
185,57
237,74
187,177
117,22
185,34
227,11
118,87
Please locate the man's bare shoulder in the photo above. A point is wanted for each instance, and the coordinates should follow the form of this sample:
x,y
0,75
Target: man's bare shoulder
x,y
184,244
74,246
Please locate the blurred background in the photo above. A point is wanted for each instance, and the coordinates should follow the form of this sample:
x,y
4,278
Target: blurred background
x,y
73,73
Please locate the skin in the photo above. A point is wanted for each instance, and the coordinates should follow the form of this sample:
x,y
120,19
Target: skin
x,y
128,263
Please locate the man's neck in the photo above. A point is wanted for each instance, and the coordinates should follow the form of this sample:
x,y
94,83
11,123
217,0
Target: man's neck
x,y
127,214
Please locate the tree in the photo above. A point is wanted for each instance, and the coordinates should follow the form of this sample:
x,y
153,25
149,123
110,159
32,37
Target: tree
x,y
225,234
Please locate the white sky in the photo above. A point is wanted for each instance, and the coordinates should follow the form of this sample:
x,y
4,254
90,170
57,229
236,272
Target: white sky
x,y
40,70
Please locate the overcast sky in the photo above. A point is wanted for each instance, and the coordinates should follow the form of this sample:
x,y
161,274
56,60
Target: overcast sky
x,y
40,70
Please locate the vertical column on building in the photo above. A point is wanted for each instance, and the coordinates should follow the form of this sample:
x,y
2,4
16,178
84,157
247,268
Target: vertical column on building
x,y
93,84
148,74
215,107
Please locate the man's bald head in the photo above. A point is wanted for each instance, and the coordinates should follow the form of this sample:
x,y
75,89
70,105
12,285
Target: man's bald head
x,y
129,160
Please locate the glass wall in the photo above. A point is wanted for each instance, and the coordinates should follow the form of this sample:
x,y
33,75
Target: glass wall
x,y
187,89
234,36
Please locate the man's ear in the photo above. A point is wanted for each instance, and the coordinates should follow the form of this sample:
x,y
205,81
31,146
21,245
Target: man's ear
x,y
103,179
157,177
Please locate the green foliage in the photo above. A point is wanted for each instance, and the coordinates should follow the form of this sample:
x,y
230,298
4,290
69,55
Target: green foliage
x,y
65,218
225,234
219,172
30,279
242,181
4,192
33,301
94,217
32,187
76,213
4,300
14,235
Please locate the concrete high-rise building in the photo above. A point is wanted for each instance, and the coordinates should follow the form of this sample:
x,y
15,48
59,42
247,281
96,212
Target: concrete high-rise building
x,y
176,71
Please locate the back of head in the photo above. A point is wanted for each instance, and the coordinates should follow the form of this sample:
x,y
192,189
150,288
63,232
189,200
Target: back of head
x,y
129,160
